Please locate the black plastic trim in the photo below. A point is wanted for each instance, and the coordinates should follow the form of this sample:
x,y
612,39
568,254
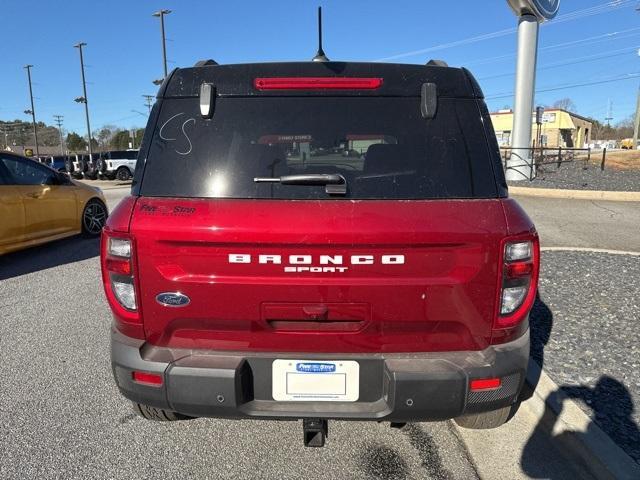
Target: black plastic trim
x,y
399,387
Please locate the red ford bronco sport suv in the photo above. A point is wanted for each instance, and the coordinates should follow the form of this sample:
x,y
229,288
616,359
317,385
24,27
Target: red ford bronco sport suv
x,y
320,240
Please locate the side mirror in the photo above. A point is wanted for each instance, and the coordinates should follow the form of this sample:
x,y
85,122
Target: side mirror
x,y
61,178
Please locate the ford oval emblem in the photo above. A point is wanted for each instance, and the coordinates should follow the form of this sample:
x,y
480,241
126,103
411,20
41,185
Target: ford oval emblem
x,y
172,299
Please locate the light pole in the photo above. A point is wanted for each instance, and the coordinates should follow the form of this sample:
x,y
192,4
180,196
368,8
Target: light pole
x,y
636,122
33,110
161,14
83,99
530,14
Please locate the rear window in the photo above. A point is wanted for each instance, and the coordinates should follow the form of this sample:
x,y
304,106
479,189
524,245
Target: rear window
x,y
381,145
123,155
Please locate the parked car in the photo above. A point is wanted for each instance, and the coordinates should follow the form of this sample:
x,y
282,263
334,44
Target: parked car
x,y
39,204
57,162
118,164
250,277
71,165
627,144
83,166
90,166
76,166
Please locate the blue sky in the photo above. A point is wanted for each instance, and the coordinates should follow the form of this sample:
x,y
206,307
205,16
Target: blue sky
x,y
590,41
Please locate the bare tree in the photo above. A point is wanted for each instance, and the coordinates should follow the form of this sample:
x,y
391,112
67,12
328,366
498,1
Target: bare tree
x,y
105,136
565,104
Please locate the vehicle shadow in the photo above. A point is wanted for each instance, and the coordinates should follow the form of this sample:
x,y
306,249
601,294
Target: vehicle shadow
x,y
540,325
54,254
610,402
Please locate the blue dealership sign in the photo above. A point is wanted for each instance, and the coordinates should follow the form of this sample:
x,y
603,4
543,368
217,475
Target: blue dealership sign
x,y
314,367
543,9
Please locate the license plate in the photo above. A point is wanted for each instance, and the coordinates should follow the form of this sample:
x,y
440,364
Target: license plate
x,y
317,381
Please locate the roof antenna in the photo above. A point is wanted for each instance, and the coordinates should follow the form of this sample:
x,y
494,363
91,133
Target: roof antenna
x,y
320,56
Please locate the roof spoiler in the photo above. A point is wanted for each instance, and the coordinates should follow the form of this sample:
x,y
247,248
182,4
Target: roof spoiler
x,y
207,99
429,100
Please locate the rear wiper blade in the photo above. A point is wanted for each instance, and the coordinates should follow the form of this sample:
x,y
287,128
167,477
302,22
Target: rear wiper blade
x,y
335,184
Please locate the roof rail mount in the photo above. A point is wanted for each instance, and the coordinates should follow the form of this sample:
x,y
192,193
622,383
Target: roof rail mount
x,y
205,63
437,63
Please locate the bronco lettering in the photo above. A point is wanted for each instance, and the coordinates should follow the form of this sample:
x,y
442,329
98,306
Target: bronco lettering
x,y
322,260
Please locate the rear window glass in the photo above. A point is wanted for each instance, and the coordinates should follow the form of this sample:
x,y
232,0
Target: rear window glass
x,y
381,146
123,155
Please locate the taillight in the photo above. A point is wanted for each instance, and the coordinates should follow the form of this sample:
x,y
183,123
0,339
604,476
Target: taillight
x,y
317,83
518,284
146,378
118,275
484,384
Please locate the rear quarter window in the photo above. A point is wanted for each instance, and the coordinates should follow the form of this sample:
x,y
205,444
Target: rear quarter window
x,y
381,145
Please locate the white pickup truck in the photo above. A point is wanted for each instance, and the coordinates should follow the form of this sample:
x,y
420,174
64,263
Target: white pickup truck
x,y
118,164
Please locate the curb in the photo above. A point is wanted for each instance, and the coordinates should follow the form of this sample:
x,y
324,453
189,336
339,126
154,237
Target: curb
x,y
576,194
589,250
590,446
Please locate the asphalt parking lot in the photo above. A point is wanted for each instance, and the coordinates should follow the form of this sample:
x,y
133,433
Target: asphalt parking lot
x,y
62,416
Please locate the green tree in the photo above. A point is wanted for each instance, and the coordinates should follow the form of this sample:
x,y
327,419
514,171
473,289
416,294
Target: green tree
x,y
121,139
75,142
139,133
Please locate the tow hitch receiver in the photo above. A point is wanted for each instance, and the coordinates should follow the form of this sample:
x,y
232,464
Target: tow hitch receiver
x,y
316,431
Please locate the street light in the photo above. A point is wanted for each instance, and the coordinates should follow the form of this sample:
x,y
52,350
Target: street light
x,y
83,99
636,120
161,14
32,112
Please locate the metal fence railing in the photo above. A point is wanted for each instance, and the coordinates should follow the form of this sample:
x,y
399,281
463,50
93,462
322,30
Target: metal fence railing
x,y
546,160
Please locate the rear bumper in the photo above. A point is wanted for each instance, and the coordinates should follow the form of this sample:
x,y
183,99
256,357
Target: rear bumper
x,y
393,387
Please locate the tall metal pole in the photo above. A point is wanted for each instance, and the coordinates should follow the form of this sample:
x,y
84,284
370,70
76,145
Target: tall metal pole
x,y
636,123
33,110
164,45
161,14
84,92
149,103
520,166
58,120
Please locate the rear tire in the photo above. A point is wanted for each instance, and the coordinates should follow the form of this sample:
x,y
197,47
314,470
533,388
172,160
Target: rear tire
x,y
486,420
123,174
158,414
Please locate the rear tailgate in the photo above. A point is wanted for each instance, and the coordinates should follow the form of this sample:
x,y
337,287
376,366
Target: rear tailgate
x,y
322,276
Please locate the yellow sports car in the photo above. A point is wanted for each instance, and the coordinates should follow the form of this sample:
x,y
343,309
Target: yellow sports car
x,y
38,204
